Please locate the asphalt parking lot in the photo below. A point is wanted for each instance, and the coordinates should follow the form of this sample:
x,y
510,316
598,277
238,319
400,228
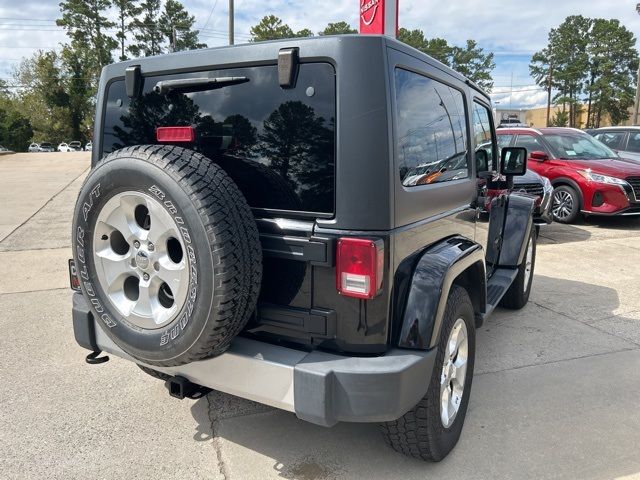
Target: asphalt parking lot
x,y
555,395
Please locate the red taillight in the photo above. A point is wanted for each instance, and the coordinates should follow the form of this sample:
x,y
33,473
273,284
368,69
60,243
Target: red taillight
x,y
175,134
359,267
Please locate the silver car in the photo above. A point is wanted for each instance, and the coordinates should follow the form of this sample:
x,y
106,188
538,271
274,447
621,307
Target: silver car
x,y
624,140
46,147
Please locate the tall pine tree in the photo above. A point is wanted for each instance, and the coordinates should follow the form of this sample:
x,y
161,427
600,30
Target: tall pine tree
x,y
589,61
127,11
273,28
176,25
86,22
148,39
469,60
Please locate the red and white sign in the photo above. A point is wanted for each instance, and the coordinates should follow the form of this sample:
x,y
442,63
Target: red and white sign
x,y
379,17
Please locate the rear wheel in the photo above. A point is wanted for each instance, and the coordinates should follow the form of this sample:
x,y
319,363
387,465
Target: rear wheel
x,y
566,204
432,428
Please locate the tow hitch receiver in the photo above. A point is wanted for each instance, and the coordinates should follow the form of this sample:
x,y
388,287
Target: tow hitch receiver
x,y
180,387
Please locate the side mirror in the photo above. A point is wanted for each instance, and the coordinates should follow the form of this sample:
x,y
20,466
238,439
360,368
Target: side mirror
x,y
514,161
540,156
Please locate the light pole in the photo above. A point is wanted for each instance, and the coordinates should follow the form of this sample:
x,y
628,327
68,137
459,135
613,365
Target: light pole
x,y
231,26
636,104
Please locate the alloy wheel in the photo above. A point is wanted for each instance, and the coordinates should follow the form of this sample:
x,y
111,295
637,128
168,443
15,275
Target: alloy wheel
x,y
528,266
454,372
140,259
562,204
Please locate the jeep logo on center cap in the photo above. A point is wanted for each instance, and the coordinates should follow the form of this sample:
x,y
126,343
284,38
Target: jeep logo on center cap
x,y
142,260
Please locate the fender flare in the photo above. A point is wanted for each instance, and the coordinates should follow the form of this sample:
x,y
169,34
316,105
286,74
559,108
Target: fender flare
x,y
517,229
422,288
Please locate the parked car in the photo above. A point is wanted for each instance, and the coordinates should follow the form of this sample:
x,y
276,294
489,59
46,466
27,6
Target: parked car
x,y
339,290
625,141
587,176
64,147
88,147
46,147
75,146
40,147
530,183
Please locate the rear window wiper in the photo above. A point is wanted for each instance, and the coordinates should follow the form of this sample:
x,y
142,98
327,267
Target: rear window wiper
x,y
188,85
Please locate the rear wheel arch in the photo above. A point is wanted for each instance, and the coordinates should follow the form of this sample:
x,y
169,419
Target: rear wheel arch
x,y
422,285
474,281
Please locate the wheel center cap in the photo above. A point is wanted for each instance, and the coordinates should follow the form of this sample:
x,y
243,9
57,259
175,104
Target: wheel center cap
x,y
142,260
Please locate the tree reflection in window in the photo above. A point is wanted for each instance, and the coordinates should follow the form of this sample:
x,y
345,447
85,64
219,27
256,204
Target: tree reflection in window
x,y
285,163
432,137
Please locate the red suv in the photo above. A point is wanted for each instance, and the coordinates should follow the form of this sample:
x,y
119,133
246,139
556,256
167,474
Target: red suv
x,y
587,176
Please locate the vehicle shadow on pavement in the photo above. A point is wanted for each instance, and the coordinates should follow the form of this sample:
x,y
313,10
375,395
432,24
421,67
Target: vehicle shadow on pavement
x,y
617,223
564,320
537,357
558,233
200,413
587,229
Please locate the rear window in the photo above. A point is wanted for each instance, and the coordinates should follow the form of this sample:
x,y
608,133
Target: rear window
x,y
277,144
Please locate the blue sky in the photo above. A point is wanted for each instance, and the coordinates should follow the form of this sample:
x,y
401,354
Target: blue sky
x,y
513,30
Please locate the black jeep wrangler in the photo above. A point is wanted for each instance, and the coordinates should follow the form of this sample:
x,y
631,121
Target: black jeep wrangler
x,y
294,222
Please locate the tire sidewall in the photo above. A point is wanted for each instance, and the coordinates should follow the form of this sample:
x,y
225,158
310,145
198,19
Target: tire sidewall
x,y
447,437
526,289
108,179
576,204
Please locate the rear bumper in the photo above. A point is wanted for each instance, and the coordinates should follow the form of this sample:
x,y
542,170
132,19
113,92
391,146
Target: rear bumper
x,y
318,387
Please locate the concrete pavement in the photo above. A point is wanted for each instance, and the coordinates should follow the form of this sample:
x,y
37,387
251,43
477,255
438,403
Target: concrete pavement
x,y
555,393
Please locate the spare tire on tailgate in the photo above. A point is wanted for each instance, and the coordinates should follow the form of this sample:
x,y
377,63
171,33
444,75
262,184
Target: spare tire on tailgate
x,y
168,253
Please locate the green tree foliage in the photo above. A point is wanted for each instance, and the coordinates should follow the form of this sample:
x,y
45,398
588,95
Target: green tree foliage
x,y
78,89
273,28
176,26
338,28
44,98
437,48
469,60
127,11
560,119
56,101
591,61
86,23
305,32
473,63
148,38
568,44
613,62
15,127
270,28
77,70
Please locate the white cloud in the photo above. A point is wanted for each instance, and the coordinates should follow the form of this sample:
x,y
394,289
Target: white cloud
x,y
524,97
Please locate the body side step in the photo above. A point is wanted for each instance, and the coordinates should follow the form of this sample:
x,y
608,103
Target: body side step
x,y
497,286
